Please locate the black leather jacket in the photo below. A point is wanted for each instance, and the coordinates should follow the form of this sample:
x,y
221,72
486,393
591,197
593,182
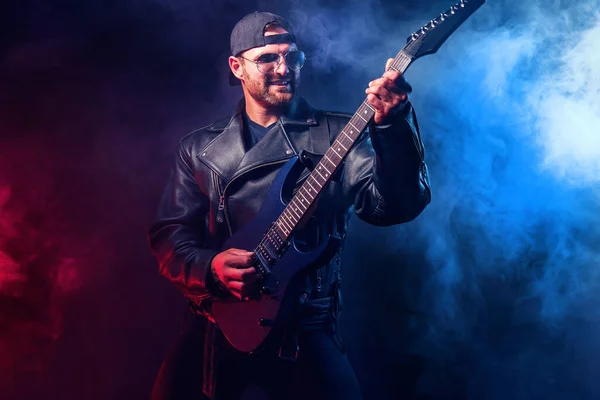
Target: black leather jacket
x,y
217,186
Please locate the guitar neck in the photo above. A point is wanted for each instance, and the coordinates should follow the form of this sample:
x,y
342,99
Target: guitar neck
x,y
426,40
331,160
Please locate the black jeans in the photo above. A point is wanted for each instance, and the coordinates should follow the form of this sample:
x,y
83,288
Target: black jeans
x,y
321,372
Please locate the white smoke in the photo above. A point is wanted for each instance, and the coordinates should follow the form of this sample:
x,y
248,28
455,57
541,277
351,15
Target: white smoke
x,y
567,103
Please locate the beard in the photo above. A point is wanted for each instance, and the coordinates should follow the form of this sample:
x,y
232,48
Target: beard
x,y
264,92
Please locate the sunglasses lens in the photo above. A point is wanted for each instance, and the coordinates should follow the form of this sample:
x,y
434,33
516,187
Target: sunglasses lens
x,y
295,60
268,58
270,61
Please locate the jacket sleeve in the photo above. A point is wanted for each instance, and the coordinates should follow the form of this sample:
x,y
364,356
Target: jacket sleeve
x,y
386,174
177,237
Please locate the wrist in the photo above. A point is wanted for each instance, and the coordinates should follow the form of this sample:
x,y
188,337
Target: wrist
x,y
213,282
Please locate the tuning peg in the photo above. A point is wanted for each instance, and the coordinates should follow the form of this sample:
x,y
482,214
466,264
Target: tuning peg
x,y
424,29
443,16
432,23
414,36
463,2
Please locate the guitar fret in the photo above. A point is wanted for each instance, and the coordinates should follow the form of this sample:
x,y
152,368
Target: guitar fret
x,y
292,221
335,153
300,191
299,203
294,211
285,233
352,133
347,135
361,117
290,217
354,126
286,223
340,143
320,174
369,107
322,165
319,184
311,187
281,232
300,206
328,159
306,191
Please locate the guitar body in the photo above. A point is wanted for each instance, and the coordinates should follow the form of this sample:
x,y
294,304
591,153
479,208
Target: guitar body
x,y
240,320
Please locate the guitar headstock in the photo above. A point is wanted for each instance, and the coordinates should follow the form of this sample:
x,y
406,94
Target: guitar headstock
x,y
431,36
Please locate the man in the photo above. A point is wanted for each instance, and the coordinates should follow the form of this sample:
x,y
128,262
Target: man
x,y
222,174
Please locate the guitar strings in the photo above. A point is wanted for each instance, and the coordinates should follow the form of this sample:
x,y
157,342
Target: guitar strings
x,y
400,63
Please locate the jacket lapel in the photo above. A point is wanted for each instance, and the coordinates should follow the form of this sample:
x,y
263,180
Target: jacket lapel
x,y
271,148
226,154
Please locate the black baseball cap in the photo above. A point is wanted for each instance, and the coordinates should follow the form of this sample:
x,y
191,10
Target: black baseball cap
x,y
249,33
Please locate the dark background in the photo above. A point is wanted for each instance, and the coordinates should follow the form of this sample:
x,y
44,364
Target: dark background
x,y
492,293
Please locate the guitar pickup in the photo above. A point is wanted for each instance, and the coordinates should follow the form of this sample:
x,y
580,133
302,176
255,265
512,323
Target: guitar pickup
x,y
260,265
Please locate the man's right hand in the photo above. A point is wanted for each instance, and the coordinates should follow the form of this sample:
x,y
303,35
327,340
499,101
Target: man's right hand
x,y
234,269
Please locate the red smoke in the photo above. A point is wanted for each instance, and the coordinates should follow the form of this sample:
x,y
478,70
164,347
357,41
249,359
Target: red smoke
x,y
40,267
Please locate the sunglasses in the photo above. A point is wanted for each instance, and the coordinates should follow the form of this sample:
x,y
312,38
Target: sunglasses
x,y
269,62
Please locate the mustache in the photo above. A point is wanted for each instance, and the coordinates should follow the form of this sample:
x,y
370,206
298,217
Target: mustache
x,y
290,79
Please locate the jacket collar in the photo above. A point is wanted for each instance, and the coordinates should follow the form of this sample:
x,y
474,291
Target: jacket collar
x,y
226,154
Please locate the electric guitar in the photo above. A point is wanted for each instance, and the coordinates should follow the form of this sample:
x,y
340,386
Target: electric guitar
x,y
247,323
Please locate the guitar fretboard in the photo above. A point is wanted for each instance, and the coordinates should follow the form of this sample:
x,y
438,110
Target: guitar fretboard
x,y
332,159
425,41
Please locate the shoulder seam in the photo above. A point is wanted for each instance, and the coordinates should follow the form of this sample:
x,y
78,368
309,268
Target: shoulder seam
x,y
206,126
338,114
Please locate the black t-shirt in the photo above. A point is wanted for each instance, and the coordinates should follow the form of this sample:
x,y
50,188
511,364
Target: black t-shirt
x,y
253,132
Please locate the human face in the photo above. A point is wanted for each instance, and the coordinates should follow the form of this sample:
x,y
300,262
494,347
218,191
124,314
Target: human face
x,y
273,89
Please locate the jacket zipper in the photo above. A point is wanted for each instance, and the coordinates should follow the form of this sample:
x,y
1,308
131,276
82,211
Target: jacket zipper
x,y
319,283
221,216
222,208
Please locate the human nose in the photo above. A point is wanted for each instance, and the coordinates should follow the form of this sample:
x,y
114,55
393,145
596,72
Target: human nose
x,y
281,68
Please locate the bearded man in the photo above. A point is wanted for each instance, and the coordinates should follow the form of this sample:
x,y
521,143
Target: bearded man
x,y
221,176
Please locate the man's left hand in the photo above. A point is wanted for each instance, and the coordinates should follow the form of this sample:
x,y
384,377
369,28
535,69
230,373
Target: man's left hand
x,y
388,93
